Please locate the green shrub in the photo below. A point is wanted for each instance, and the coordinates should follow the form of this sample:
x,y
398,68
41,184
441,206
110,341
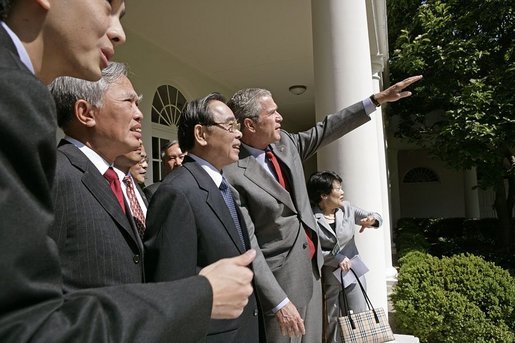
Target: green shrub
x,y
454,299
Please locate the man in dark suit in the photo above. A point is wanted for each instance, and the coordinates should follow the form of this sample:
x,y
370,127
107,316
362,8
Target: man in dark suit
x,y
136,201
192,220
139,170
171,157
278,205
94,230
38,43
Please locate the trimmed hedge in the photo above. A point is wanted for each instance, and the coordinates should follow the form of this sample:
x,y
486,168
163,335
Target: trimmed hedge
x,y
454,299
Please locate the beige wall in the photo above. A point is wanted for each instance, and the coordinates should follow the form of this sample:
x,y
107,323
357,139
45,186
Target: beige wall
x,y
150,67
434,199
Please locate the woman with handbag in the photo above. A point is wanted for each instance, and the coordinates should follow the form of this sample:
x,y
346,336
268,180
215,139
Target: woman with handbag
x,y
336,219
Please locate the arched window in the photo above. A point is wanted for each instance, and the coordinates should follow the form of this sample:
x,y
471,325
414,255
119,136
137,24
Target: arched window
x,y
167,107
419,175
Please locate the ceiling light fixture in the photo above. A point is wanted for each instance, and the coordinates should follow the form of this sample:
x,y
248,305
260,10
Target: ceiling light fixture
x,y
297,89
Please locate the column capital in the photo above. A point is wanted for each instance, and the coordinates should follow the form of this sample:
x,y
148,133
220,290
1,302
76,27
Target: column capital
x,y
378,63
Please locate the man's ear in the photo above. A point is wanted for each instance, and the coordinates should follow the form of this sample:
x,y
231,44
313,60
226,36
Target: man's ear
x,y
199,133
85,113
44,4
249,124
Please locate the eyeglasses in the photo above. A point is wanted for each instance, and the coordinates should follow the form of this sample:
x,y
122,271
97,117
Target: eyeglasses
x,y
233,126
338,188
143,161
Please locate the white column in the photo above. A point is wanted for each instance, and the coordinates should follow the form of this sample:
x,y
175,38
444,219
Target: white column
x,y
343,76
386,211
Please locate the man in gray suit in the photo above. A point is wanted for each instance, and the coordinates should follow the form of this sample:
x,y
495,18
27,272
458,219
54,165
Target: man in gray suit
x,y
39,42
270,181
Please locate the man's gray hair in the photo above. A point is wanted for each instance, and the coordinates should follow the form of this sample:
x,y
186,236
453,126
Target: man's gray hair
x,y
245,103
68,90
166,146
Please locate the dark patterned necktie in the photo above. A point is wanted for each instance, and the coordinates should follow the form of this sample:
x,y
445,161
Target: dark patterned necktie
x,y
115,185
137,212
229,201
280,178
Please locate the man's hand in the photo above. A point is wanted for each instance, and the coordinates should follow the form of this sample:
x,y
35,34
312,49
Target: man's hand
x,y
290,322
396,92
230,279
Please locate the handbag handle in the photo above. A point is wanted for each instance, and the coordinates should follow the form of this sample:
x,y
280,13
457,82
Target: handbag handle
x,y
345,300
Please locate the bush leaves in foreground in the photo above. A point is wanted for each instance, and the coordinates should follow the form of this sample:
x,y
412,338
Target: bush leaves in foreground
x,y
454,299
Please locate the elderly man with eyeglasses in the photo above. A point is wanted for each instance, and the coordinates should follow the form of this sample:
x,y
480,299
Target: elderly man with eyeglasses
x,y
139,170
135,199
192,219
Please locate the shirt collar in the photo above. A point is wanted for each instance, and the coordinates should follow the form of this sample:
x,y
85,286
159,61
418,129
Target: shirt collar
x,y
95,158
22,52
253,151
121,174
215,174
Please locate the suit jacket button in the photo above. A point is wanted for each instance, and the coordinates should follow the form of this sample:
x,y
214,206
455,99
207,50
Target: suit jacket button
x,y
255,312
136,259
304,245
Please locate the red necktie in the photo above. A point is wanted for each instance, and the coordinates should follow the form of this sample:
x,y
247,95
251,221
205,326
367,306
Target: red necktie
x,y
137,212
280,178
277,168
115,185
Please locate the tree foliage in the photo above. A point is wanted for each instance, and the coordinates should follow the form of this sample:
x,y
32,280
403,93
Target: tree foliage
x,y
463,110
466,53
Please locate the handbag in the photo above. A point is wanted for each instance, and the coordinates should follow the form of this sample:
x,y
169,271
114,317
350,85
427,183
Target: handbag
x,y
370,326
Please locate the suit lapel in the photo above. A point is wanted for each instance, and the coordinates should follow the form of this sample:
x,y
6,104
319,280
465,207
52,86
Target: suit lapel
x,y
99,188
215,200
143,196
319,216
6,41
259,176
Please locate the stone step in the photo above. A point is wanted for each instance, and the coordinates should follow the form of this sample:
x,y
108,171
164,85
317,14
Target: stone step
x,y
406,339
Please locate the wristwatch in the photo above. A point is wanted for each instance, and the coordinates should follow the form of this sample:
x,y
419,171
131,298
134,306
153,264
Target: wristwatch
x,y
374,101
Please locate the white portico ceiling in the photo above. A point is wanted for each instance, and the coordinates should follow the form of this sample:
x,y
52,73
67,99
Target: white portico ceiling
x,y
239,43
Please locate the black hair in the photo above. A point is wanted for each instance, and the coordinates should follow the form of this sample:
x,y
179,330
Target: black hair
x,y
196,112
321,183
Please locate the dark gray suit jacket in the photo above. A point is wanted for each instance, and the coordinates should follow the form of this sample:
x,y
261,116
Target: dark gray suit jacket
x,y
189,227
150,190
98,243
279,218
32,304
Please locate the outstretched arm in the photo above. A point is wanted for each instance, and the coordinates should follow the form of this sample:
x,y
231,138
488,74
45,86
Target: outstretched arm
x,y
396,92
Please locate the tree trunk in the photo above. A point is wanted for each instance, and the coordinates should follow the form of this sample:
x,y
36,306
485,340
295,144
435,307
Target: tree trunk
x,y
504,214
510,203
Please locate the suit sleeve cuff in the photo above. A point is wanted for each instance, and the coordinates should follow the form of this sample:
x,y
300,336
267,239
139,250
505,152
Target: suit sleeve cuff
x,y
281,305
369,106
